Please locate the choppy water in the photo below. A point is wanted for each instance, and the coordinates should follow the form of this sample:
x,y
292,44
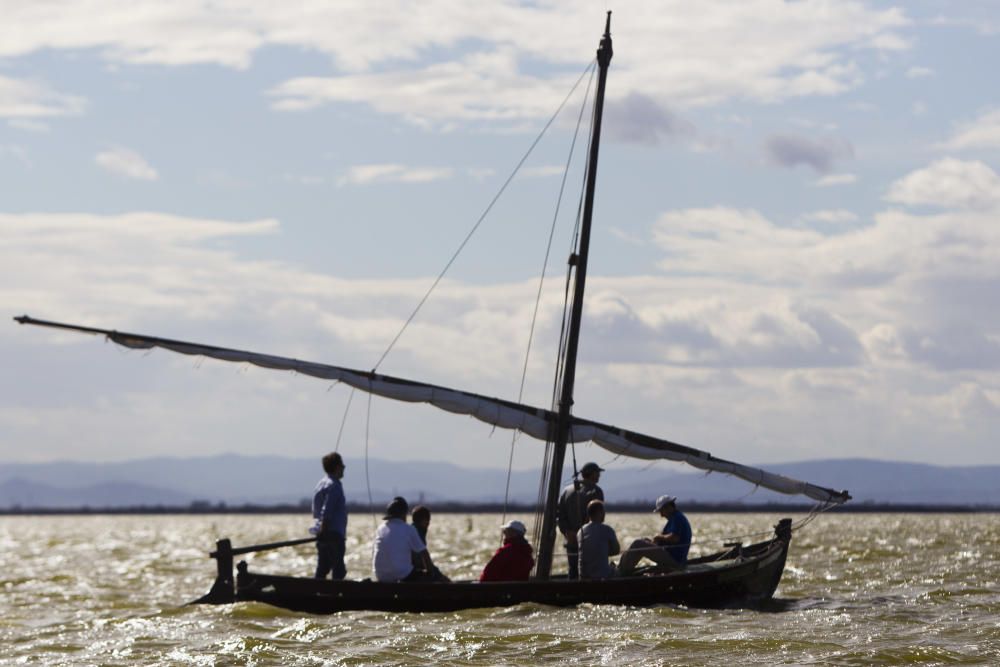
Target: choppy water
x,y
858,590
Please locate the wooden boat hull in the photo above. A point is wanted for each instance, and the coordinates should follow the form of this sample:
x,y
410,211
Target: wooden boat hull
x,y
739,577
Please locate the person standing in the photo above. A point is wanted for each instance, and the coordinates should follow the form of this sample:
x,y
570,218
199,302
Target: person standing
x,y
598,542
329,509
573,509
669,548
513,560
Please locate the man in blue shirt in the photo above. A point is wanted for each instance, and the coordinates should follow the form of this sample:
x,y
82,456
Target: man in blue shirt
x,y
668,549
330,511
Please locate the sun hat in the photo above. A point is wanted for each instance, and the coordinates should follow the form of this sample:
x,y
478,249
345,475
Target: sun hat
x,y
590,467
663,501
516,526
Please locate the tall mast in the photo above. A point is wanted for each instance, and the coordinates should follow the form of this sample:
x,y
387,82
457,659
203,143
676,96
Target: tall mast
x,y
548,535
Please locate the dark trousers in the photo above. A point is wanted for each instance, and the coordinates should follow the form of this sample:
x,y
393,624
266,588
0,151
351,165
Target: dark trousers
x,y
573,559
330,548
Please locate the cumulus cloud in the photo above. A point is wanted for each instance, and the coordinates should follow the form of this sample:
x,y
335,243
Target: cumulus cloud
x,y
25,99
830,216
949,183
833,180
786,150
370,174
126,162
980,134
752,322
397,58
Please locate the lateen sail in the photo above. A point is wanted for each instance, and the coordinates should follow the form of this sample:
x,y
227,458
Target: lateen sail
x,y
536,422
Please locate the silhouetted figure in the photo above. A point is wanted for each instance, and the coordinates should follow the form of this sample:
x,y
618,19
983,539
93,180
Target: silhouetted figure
x,y
396,544
513,560
330,511
573,511
598,542
669,548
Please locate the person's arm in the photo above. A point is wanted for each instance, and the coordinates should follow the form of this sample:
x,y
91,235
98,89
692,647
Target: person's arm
x,y
614,548
489,572
665,539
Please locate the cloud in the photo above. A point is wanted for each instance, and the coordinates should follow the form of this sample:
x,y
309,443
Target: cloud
x,y
370,174
437,62
752,332
640,119
23,99
479,87
833,180
125,162
919,72
949,183
795,150
831,216
17,153
28,125
980,134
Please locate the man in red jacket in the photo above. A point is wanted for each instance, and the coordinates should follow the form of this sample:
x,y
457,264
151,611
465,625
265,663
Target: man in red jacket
x,y
512,561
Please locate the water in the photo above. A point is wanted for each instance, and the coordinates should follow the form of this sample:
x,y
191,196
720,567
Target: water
x,y
858,590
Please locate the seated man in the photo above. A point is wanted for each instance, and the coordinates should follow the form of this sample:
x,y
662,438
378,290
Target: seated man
x,y
396,543
669,548
513,560
598,542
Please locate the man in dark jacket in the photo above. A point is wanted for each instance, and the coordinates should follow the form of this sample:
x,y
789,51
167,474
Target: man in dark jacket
x,y
573,511
512,561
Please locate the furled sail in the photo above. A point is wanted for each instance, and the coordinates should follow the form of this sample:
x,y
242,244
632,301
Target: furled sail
x,y
536,422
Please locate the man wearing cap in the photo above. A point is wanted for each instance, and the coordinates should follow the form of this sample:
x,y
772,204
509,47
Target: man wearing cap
x,y
330,512
513,560
573,511
669,548
396,543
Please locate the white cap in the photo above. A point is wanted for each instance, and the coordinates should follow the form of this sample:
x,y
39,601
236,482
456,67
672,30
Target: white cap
x,y
663,501
515,525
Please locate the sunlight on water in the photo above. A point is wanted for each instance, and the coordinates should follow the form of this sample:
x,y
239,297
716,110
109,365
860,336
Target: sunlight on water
x,y
858,590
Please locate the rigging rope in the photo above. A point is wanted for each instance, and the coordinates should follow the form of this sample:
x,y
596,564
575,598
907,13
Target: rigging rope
x,y
541,284
482,217
561,357
368,481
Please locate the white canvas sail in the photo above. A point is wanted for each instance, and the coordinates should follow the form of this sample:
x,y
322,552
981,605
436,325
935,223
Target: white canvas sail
x,y
533,421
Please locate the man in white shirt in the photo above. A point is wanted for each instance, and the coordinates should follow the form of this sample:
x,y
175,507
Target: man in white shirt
x,y
396,542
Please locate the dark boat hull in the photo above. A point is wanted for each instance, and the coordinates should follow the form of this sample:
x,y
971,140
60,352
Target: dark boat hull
x,y
739,577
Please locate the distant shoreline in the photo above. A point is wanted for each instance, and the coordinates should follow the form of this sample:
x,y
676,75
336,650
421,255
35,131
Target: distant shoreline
x,y
496,508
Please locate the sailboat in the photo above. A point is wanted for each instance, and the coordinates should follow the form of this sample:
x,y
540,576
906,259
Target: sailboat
x,y
735,576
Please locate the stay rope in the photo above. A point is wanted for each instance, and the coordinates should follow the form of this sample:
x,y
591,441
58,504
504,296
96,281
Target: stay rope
x,y
541,284
590,68
482,217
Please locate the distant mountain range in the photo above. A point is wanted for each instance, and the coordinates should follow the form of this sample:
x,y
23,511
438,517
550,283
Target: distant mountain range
x,y
235,480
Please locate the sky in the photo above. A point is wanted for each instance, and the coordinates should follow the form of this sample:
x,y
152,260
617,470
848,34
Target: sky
x,y
795,252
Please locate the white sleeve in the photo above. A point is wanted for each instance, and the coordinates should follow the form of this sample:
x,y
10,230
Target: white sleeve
x,y
416,544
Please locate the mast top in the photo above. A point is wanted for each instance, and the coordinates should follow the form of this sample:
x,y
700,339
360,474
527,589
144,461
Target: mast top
x,y
604,51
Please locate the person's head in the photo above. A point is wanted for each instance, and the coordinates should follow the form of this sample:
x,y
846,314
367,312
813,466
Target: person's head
x,y
397,509
591,472
595,511
333,465
666,505
513,530
421,516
